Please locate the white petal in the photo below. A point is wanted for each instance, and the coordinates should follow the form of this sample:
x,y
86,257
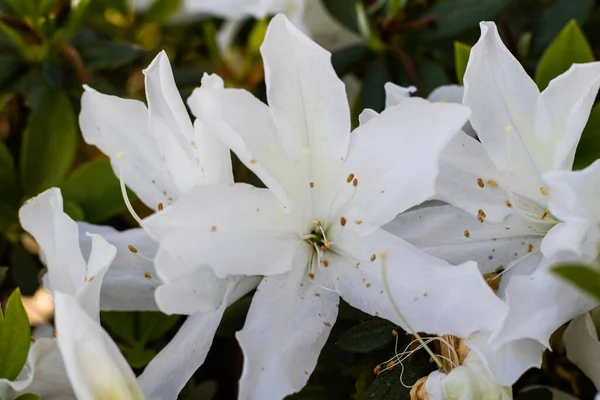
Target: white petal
x,y
440,231
125,287
573,193
434,296
50,380
539,304
447,94
215,156
88,294
170,126
508,362
58,237
504,101
367,115
95,366
206,224
307,99
116,126
566,237
395,94
583,347
395,159
569,99
245,125
287,326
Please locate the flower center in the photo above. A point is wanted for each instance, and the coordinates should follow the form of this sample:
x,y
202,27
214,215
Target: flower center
x,y
317,239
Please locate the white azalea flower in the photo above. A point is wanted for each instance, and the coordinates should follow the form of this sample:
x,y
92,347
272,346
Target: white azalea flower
x,y
95,366
582,345
501,210
161,155
315,231
471,380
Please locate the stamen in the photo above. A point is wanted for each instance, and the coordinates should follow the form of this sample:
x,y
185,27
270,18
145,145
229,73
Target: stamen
x,y
350,178
160,206
492,183
467,233
545,214
124,191
132,249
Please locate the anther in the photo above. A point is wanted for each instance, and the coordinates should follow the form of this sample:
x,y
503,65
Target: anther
x,y
358,222
160,206
529,248
343,221
253,161
373,257
311,275
508,203
147,275
377,370
543,191
311,184
213,228
480,182
349,178
544,214
355,182
492,183
132,249
325,263
466,233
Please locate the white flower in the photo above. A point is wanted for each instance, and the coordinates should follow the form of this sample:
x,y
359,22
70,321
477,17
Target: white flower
x,y
95,366
582,345
310,16
471,380
315,231
160,154
501,210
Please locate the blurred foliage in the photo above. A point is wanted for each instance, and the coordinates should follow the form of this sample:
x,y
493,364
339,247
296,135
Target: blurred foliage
x,y
50,48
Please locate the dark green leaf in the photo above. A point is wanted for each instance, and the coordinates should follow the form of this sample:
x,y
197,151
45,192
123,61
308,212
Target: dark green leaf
x,y
94,187
49,143
140,357
74,211
455,16
24,270
553,19
535,394
154,325
346,59
105,54
461,58
3,271
23,8
234,317
588,149
15,337
9,191
120,324
433,75
581,276
373,92
569,47
10,65
368,336
28,396
344,11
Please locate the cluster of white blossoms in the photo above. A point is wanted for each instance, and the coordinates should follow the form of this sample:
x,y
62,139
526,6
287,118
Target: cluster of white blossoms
x,y
343,215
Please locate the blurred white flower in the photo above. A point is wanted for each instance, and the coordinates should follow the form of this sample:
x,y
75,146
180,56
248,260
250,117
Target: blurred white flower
x,y
502,212
315,231
310,16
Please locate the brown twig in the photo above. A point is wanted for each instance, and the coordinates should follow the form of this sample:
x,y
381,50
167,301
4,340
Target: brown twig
x,y
73,55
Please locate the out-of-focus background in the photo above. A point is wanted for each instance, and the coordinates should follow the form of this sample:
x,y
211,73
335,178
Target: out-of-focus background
x,y
50,48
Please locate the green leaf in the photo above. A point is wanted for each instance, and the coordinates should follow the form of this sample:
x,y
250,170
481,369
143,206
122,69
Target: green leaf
x,y
74,211
120,324
9,191
569,47
3,271
367,336
344,11
49,143
28,396
140,357
23,8
588,149
554,18
105,54
161,10
10,66
154,325
582,276
94,187
455,16
373,92
346,59
461,58
15,337
24,270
